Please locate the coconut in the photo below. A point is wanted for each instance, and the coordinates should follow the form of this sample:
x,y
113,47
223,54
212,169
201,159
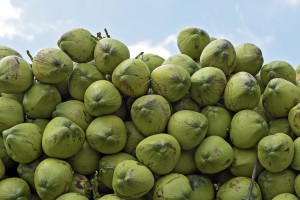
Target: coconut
x,y
171,81
62,138
134,137
15,75
183,61
2,169
131,179
185,103
7,51
274,183
159,152
102,98
79,44
275,152
109,53
191,41
81,185
107,134
201,187
110,197
219,120
242,92
213,155
247,128
186,163
14,188
238,188
171,186
132,77
249,58
41,123
152,60
40,100
51,65
7,161
150,114
207,86
188,127
285,196
281,125
296,158
72,196
294,119
297,185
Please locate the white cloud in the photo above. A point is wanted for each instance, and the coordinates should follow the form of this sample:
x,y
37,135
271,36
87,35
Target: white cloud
x,y
239,12
291,3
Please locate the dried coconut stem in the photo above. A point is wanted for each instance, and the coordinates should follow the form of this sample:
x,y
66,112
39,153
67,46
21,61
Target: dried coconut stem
x,y
252,180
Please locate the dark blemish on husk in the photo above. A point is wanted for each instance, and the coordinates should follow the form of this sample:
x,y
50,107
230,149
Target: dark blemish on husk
x,y
235,187
56,63
16,59
194,184
269,163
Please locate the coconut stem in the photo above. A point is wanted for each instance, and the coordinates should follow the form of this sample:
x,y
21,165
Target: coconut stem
x,y
106,32
252,179
99,36
29,55
95,38
139,55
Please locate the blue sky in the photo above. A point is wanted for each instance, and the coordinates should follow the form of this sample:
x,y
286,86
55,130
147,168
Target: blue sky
x,y
152,26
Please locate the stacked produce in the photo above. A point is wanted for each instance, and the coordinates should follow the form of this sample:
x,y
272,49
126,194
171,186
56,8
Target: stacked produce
x,y
87,120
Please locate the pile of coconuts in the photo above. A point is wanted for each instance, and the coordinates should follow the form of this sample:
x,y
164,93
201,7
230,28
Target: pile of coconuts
x,y
87,120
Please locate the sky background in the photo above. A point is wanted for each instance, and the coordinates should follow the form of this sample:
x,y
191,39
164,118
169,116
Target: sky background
x,y
152,26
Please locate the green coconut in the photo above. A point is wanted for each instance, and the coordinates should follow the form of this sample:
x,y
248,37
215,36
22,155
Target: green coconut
x,y
260,83
183,61
241,92
62,138
51,65
274,183
279,97
134,137
294,119
132,180
238,188
281,125
191,41
8,51
107,165
171,81
249,58
188,127
150,114
297,185
40,101
159,152
296,158
172,186
11,113
132,77
202,187
41,123
207,86
14,188
79,44
275,152
72,196
7,161
109,53
107,134
185,103
110,197
2,169
102,98
152,60
75,111
219,120
285,196
186,163
85,161
277,69
81,185
247,128
213,155
82,76
15,75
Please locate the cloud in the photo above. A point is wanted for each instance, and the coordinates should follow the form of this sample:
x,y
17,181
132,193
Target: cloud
x,y
239,12
291,3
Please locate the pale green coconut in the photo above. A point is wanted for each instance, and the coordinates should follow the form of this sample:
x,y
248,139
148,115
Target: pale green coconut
x,y
192,40
213,155
62,138
134,137
186,163
183,61
102,98
296,159
82,76
260,83
294,119
159,152
132,180
297,185
152,60
188,127
41,123
219,120
201,187
207,86
2,169
281,125
171,81
285,196
171,186
275,152
109,53
271,184
51,65
279,97
81,185
8,51
237,188
247,128
15,75
249,58
110,197
11,113
132,77
75,111
52,178
72,196
107,134
40,101
277,69
79,44
150,114
242,92
107,165
185,103
85,161
7,161
14,188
